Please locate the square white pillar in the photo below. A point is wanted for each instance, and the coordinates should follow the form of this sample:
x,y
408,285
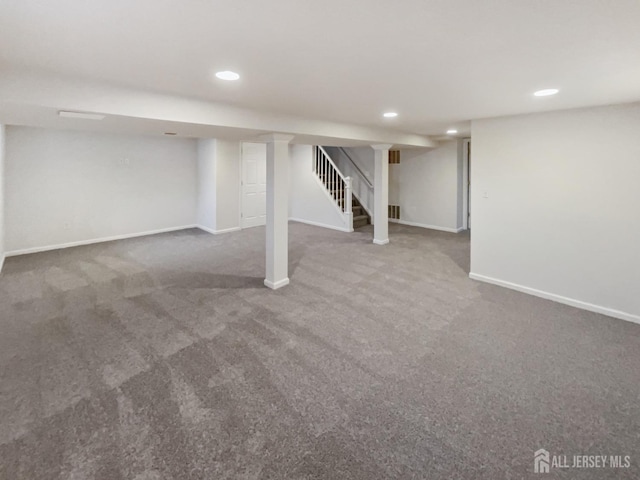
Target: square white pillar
x,y
277,242
381,195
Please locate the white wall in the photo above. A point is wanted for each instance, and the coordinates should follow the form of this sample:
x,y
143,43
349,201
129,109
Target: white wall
x,y
68,187
228,185
426,186
460,187
218,204
206,203
309,202
561,215
2,194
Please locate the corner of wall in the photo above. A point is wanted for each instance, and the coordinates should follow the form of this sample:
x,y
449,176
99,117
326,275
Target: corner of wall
x,y
559,245
460,179
206,184
2,194
227,186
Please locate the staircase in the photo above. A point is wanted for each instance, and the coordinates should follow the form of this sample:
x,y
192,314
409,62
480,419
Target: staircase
x,y
339,190
337,186
360,215
361,186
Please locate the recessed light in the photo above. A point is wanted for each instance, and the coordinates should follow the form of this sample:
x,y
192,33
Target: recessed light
x,y
452,131
546,92
227,75
84,115
390,114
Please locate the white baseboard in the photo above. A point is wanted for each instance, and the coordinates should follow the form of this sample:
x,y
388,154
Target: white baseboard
x,y
323,225
276,285
206,229
380,242
558,298
228,230
26,251
431,227
218,232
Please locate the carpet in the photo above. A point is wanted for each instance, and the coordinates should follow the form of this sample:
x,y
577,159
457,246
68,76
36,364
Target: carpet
x,y
165,357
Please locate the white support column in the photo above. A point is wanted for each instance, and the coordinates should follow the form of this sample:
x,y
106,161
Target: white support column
x,y
381,195
277,271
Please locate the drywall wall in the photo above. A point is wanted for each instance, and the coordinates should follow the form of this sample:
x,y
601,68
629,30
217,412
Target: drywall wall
x,y
227,185
206,203
426,186
2,194
218,193
309,202
462,144
555,206
361,181
66,187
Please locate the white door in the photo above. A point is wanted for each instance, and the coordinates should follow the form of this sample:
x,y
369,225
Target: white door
x,y
254,184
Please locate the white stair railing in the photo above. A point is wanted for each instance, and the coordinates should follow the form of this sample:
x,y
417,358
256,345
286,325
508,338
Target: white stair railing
x,y
360,184
337,185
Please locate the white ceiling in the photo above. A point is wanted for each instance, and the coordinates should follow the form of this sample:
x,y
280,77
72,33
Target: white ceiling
x,y
438,63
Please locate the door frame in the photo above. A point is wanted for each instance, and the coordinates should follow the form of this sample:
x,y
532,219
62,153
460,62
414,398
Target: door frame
x,y
241,193
240,190
466,182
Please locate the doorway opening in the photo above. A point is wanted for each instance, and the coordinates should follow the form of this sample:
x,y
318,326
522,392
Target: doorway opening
x,y
254,185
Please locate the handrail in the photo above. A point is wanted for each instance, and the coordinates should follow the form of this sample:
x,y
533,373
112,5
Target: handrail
x,y
356,167
332,164
336,185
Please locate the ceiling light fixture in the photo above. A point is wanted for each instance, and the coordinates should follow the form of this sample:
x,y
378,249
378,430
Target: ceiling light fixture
x,y
452,131
227,75
390,114
84,115
546,92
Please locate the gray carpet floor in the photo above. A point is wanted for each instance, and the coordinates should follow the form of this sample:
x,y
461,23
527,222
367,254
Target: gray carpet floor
x,y
164,357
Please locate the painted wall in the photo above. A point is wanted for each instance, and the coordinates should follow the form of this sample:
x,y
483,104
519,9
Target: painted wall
x,y
218,204
206,203
65,187
2,194
364,159
308,200
228,185
555,206
426,186
461,184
